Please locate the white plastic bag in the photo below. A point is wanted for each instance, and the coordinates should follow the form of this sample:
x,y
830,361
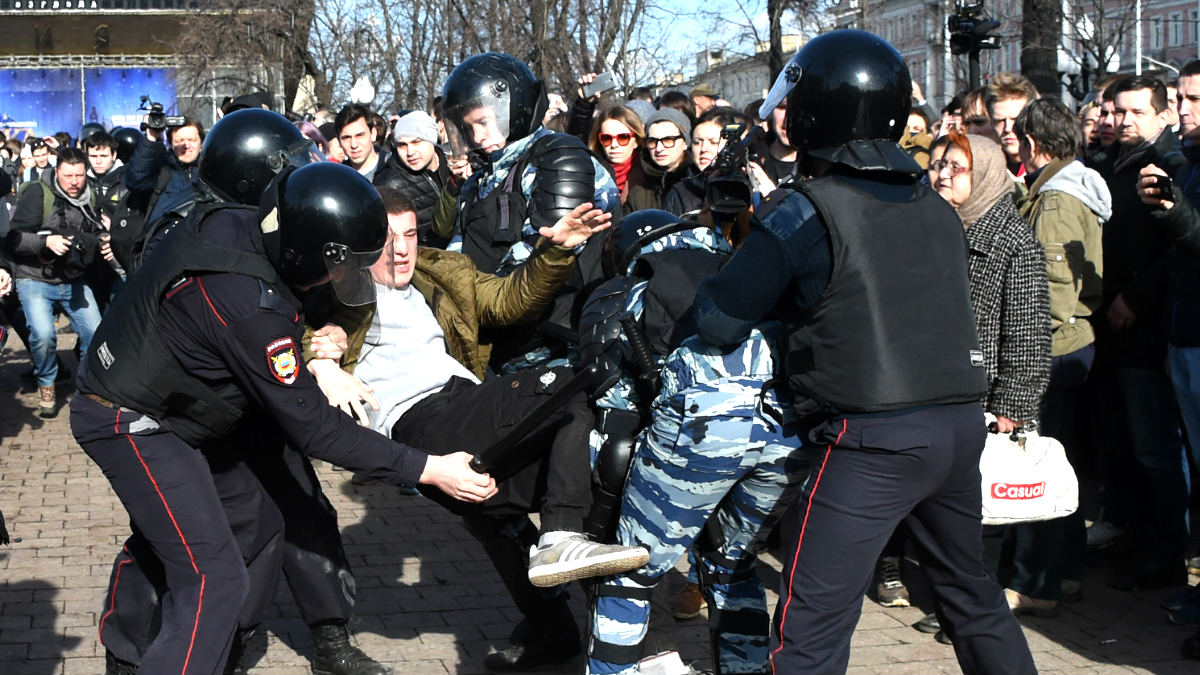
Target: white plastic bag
x,y
1026,477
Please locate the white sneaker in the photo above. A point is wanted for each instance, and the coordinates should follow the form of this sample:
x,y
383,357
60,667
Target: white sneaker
x,y
1102,533
576,557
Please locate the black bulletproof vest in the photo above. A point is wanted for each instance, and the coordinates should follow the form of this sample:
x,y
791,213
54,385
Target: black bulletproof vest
x,y
674,277
130,364
894,328
491,225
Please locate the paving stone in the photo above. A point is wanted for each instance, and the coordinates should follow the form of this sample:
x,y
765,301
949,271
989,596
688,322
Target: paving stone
x,y
429,600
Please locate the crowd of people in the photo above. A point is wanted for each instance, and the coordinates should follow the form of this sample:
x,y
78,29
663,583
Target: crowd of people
x,y
667,326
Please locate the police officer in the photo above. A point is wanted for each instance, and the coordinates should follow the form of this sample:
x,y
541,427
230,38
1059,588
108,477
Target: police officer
x,y
714,464
868,266
242,154
525,177
195,357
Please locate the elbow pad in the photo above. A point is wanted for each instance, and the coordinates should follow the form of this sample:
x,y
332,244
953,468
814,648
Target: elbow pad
x,y
565,179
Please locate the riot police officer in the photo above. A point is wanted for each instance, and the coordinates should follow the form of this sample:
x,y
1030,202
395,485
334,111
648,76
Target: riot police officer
x,y
199,355
525,178
242,154
868,266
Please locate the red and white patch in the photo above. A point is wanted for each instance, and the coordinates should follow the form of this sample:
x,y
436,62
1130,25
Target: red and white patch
x,y
282,360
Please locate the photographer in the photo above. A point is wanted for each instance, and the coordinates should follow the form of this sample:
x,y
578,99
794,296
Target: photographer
x,y
167,181
708,138
53,240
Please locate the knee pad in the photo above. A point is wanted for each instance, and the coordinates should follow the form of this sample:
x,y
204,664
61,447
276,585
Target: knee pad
x,y
611,470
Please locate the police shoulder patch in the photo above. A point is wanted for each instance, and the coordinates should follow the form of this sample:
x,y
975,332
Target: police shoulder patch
x,y
282,359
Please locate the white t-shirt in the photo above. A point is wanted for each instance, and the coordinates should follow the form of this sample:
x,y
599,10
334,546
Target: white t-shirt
x,y
404,356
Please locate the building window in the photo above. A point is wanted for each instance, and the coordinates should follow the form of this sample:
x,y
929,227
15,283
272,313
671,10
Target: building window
x,y
1176,29
1156,32
1195,31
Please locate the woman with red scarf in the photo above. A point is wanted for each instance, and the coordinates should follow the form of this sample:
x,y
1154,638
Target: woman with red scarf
x,y
617,135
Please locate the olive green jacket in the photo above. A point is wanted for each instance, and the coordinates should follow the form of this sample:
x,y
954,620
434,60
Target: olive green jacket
x,y
1066,205
464,299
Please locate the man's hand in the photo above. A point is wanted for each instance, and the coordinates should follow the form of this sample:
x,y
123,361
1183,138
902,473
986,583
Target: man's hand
x,y
58,244
106,249
460,167
1148,192
153,134
762,182
343,390
5,282
574,228
1120,316
916,92
453,475
330,342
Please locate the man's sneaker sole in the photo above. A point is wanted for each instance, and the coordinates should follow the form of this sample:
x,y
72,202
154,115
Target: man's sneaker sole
x,y
553,574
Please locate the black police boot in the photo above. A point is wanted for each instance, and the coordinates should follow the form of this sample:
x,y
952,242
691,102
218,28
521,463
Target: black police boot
x,y
334,655
236,663
115,666
531,648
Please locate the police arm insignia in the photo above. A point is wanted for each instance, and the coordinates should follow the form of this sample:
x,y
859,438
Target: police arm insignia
x,y
282,359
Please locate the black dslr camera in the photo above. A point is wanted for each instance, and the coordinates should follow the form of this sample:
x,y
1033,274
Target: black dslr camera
x,y
729,189
156,118
83,250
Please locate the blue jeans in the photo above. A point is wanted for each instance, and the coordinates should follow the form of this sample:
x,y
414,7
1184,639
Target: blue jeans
x,y
1158,450
1185,376
39,299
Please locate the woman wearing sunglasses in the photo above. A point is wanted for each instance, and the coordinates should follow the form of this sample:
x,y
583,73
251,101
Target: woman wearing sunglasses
x,y
617,135
665,161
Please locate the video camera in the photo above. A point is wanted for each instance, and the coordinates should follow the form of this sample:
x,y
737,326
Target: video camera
x,y
729,190
971,28
156,118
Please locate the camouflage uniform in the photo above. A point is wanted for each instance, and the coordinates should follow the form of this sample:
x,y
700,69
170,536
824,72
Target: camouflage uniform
x,y
718,445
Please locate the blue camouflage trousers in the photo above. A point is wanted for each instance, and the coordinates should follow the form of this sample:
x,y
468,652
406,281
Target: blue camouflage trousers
x,y
716,467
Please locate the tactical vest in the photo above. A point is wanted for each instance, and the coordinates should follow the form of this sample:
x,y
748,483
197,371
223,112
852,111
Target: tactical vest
x,y
491,225
668,281
673,278
130,364
894,328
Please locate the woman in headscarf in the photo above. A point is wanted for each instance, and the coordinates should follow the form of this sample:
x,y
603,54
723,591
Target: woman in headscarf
x,y
1007,268
1009,292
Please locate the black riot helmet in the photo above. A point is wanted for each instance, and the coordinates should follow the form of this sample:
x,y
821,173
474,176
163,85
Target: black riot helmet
x,y
89,129
848,94
638,230
246,149
127,141
324,221
491,100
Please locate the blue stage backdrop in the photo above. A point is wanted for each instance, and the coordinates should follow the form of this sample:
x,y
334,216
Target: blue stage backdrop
x,y
111,96
42,102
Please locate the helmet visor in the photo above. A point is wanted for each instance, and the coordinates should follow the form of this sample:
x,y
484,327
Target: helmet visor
x,y
295,155
350,274
481,123
783,86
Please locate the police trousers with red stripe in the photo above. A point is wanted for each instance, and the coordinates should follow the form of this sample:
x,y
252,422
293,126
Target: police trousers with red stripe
x,y
185,506
920,467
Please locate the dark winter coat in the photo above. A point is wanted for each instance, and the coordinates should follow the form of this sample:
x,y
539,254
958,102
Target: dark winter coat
x,y
422,188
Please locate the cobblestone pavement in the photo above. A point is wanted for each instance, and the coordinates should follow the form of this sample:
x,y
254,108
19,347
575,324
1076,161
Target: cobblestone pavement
x,y
428,599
